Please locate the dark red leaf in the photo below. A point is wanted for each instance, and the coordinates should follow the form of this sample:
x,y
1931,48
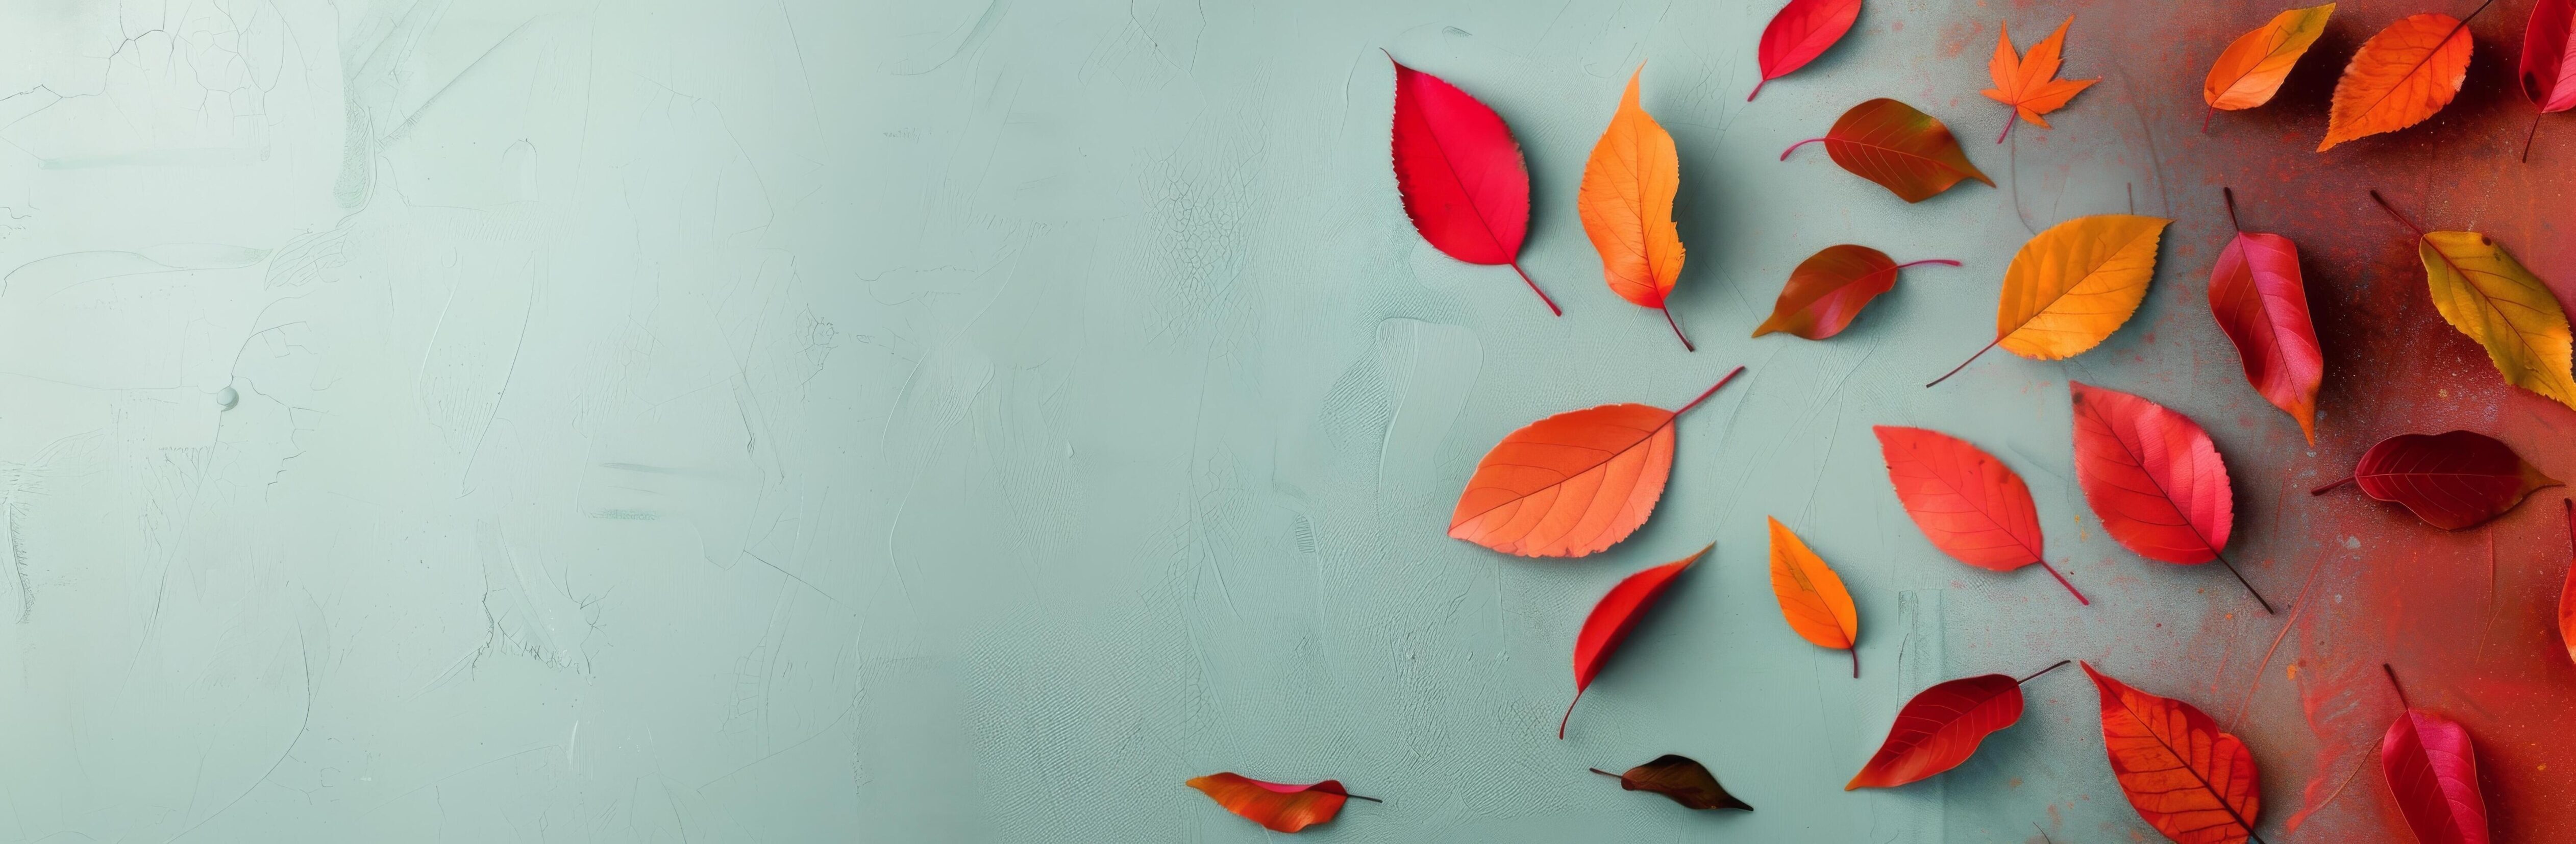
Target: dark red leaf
x,y
1802,30
1941,727
1910,153
1826,292
2259,299
2451,480
1678,777
2548,63
1612,618
1460,173
2434,772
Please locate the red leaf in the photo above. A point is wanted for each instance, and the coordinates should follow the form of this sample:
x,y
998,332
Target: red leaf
x,y
1826,292
2187,779
2567,593
2154,478
1613,618
2451,480
1968,503
1278,806
1802,30
2434,771
2259,299
1941,727
1460,173
1571,484
2548,62
1911,154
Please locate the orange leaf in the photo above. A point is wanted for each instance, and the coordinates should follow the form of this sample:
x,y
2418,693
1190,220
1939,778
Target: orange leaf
x,y
1279,806
1812,597
2399,77
2029,82
1571,484
1627,206
2187,779
2251,70
2073,285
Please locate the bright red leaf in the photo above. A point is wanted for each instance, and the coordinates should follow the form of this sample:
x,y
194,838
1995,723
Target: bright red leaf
x,y
1460,173
1613,618
2154,478
1279,806
1571,484
1969,504
1802,30
2450,480
1941,727
2186,778
1826,292
2433,770
2549,61
2259,299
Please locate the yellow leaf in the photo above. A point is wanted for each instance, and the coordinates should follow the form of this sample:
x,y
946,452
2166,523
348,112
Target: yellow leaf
x,y
1811,596
2482,291
2251,69
1626,202
2075,283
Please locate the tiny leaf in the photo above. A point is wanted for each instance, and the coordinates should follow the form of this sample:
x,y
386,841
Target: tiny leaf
x,y
1687,782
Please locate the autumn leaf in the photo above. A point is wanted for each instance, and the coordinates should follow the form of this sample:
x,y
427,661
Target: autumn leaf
x,y
1574,483
2185,777
2073,285
2549,62
2433,769
1802,30
2250,70
2567,591
2399,77
1910,153
2482,291
1969,504
1828,290
2154,479
1627,206
2451,480
2259,298
1613,618
1941,727
1812,596
1278,806
2029,82
1678,777
1460,174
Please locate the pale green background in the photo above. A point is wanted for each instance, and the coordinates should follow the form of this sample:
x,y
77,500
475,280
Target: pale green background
x,y
672,420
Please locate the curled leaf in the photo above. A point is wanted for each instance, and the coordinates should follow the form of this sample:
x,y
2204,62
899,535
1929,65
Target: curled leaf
x,y
2154,478
1613,618
1969,504
2029,82
1571,484
1910,153
2070,287
2451,480
2185,777
2250,71
2260,300
1280,807
1828,290
1802,30
2433,769
1460,173
1812,596
1678,777
1626,202
2482,291
1941,727
2399,77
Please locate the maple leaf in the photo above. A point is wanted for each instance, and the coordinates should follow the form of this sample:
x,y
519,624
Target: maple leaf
x,y
2029,82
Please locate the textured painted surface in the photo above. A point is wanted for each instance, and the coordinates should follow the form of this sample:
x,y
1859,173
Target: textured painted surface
x,y
965,421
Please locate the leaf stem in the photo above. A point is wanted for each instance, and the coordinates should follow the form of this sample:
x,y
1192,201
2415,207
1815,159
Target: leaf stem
x,y
1677,329
2393,685
2204,119
1757,89
1606,773
1941,261
1855,655
2330,487
1964,364
1357,797
1542,294
2009,119
1784,154
2392,213
2527,138
2061,581
2230,194
2034,676
1569,714
1703,396
2240,579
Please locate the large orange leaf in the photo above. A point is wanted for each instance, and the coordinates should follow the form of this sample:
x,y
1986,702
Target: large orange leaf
x,y
2399,77
2250,71
1571,484
2073,285
2029,82
1812,596
2482,291
1281,807
1910,153
2187,779
1627,206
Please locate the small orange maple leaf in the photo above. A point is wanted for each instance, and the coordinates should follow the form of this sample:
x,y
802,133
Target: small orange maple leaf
x,y
2029,83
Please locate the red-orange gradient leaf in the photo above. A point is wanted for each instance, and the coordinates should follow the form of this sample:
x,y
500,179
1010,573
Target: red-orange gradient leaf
x,y
1280,807
1969,504
1941,727
1826,292
1571,484
1613,618
1910,153
2185,777
2400,77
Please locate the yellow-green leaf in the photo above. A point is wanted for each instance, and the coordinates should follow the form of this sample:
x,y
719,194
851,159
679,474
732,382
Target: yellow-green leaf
x,y
2486,294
